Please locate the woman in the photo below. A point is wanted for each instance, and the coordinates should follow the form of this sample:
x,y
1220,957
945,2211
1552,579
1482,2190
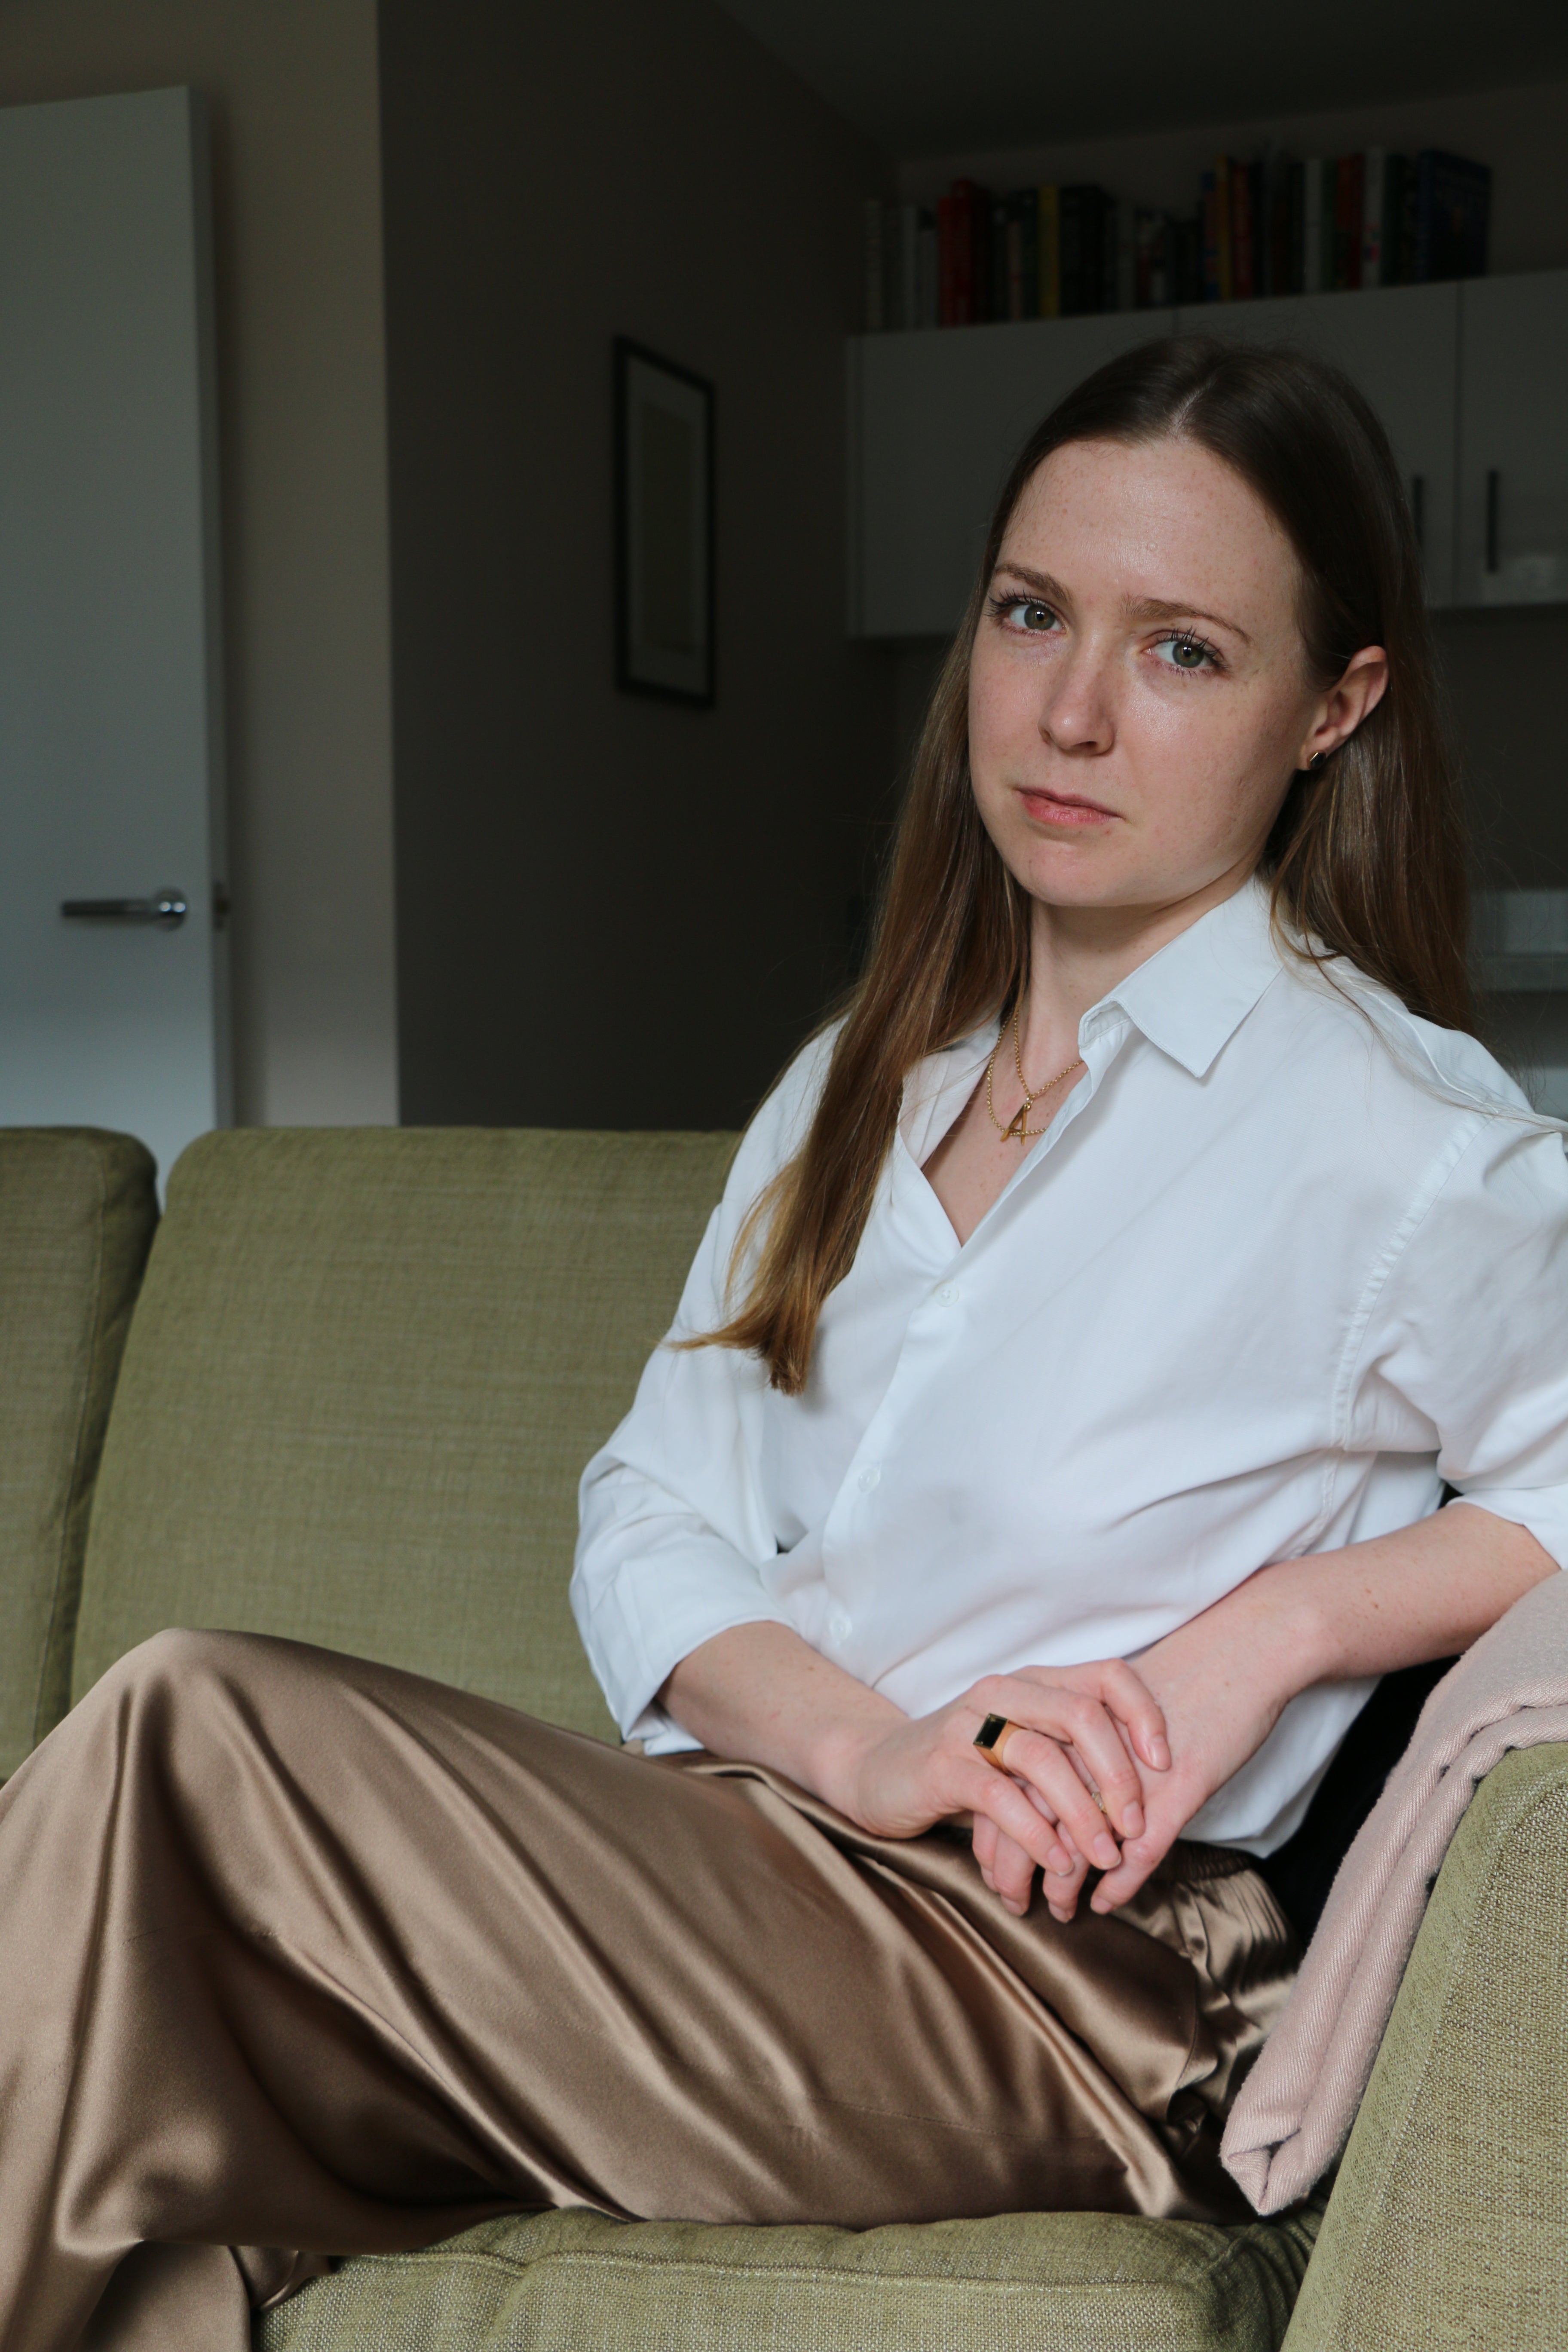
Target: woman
x,y
1046,1461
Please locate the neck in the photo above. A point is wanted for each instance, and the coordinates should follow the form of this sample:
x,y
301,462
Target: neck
x,y
1078,954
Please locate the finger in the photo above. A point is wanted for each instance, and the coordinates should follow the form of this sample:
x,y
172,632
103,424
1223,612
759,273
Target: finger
x,y
1041,1761
1138,1859
1003,1801
1062,1891
1068,1717
1014,1872
983,1835
1130,1700
1098,1741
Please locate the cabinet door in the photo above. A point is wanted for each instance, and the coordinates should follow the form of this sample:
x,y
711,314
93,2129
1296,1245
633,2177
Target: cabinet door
x,y
936,421
1513,451
1399,345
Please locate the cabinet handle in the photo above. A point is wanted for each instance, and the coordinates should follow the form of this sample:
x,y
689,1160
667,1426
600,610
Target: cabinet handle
x,y
1494,500
1418,508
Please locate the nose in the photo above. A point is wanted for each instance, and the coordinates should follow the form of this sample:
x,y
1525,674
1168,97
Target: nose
x,y
1077,714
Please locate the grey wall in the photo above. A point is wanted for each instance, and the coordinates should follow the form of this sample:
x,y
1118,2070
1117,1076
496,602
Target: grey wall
x,y
292,95
613,912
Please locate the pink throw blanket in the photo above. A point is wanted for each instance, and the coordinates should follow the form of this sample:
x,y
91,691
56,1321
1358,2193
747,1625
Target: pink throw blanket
x,y
1297,2106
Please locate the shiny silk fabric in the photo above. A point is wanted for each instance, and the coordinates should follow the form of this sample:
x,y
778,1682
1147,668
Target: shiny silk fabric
x,y
303,1957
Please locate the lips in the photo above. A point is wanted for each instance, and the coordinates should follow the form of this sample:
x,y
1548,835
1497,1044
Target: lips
x,y
1064,808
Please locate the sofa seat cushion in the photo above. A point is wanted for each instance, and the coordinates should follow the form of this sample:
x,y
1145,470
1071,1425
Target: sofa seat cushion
x,y
367,1369
78,1208
1023,2283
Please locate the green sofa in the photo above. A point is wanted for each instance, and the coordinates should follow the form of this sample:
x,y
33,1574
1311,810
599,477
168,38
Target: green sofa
x,y
344,1391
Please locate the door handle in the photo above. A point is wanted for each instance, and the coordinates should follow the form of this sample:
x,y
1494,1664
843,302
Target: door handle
x,y
168,909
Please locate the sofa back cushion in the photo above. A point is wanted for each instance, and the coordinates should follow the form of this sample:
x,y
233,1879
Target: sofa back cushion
x,y
367,1369
76,1211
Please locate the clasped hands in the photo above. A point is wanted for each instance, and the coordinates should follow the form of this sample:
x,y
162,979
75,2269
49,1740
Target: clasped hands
x,y
1153,1741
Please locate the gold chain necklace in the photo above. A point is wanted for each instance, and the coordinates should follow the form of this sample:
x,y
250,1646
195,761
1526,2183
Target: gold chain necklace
x,y
1017,1128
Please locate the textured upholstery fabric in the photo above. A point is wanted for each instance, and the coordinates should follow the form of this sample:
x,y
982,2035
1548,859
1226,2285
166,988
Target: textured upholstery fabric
x,y
76,1211
1449,2224
367,1369
568,2282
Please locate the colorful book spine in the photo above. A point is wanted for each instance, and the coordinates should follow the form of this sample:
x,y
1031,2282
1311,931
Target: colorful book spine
x,y
1024,235
996,275
1050,237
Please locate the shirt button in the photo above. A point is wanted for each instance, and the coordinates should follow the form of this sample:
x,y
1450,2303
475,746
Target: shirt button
x,y
869,1477
948,1293
839,1623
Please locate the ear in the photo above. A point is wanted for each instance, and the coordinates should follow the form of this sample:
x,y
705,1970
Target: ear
x,y
1341,710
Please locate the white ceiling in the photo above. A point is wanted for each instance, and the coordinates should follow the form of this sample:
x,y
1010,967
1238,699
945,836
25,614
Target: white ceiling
x,y
932,76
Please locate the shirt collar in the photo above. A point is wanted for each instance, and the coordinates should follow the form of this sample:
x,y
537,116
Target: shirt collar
x,y
1194,994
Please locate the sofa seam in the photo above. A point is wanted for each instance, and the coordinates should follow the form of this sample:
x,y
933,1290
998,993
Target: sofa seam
x,y
93,1351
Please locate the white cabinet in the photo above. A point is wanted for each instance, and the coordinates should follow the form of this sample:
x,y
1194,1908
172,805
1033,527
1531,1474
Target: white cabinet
x,y
1513,440
1471,381
935,422
1398,346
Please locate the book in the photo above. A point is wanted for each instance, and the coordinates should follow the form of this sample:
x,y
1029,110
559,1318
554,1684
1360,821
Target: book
x,y
947,261
1347,223
1243,242
1051,252
1373,194
1082,248
997,261
1187,257
1453,208
1024,231
1312,176
1152,286
1210,215
1118,255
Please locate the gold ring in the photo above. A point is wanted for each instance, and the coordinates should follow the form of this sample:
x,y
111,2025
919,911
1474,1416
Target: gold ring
x,y
992,1737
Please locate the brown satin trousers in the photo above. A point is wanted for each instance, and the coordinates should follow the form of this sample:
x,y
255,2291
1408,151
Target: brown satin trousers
x,y
301,1956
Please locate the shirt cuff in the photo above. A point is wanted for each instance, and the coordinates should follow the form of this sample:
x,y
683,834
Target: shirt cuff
x,y
658,1610
1543,1509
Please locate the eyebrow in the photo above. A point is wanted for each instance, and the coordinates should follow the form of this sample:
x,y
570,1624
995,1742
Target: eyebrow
x,y
1145,608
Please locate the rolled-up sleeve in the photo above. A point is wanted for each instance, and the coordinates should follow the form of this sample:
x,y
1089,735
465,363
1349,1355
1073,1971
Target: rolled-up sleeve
x,y
1468,1326
673,1536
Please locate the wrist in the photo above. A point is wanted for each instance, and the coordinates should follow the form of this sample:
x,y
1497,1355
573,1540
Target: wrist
x,y
837,1757
1290,1633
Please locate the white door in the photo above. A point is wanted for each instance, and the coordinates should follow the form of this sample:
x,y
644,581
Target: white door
x,y
936,420
1399,345
110,725
1513,439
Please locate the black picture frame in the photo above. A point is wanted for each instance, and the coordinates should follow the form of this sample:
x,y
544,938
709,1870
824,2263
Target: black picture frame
x,y
664,528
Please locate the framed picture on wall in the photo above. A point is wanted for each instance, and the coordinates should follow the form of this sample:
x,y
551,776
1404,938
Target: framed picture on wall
x,y
664,528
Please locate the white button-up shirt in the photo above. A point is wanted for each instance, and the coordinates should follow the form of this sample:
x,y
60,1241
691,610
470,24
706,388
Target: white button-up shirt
x,y
1282,1265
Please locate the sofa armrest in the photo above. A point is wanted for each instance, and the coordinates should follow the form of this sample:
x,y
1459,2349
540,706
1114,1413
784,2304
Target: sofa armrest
x,y
1448,2223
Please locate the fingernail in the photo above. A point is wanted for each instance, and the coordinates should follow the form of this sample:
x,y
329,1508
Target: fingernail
x,y
1061,1862
1060,1917
1159,1755
1016,1908
1106,1851
1101,1902
1132,1821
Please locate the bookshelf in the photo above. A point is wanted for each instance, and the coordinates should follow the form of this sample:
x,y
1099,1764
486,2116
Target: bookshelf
x,y
1470,378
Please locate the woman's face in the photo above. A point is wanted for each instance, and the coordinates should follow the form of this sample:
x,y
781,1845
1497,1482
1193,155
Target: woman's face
x,y
1138,693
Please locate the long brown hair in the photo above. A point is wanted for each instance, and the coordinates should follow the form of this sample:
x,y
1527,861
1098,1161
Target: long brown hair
x,y
1367,857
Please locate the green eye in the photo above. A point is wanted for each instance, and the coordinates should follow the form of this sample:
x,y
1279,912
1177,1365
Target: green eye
x,y
1187,654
